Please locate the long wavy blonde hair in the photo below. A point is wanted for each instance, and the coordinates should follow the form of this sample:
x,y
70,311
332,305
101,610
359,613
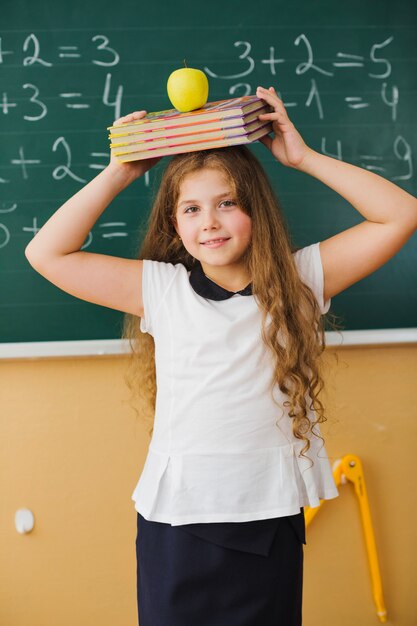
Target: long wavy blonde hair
x,y
295,332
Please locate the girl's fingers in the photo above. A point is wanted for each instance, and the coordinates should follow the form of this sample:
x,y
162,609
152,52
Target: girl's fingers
x,y
267,93
271,97
278,117
271,90
129,118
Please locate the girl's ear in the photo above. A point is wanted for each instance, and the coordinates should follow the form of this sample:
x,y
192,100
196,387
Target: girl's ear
x,y
174,223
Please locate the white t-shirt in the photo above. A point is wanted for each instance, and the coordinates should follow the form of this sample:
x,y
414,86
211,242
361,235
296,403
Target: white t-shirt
x,y
221,449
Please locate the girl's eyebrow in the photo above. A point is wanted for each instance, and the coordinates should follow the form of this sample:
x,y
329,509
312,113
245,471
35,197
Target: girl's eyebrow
x,y
222,195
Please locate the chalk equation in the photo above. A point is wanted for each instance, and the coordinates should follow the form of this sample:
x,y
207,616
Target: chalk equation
x,y
28,105
100,54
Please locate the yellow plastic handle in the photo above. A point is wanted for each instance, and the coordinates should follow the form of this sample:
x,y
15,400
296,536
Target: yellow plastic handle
x,y
349,468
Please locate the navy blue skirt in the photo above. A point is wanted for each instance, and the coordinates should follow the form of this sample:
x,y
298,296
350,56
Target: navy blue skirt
x,y
221,574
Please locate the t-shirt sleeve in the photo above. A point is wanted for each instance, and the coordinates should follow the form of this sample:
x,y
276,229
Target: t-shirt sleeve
x,y
157,277
310,268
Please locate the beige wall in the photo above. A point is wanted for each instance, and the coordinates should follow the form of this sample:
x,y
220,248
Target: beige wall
x,y
72,451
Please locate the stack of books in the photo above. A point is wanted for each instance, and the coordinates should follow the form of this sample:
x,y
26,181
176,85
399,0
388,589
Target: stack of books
x,y
216,125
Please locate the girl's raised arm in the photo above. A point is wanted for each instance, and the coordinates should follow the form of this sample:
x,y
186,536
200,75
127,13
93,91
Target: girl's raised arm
x,y
390,220
54,251
390,212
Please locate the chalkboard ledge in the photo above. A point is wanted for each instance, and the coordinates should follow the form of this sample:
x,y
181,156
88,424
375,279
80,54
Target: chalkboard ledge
x,y
111,347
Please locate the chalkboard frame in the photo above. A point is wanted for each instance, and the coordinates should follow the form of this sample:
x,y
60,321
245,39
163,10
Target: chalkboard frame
x,y
383,37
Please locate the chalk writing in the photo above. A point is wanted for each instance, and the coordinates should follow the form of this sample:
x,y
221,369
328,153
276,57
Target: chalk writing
x,y
37,103
65,170
32,42
74,152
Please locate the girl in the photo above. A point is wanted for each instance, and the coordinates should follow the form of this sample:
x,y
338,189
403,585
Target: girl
x,y
227,317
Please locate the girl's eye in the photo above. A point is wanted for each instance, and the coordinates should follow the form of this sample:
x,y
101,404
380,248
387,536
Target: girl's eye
x,y
230,202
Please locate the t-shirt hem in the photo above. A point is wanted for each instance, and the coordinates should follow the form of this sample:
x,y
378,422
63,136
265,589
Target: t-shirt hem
x,y
178,520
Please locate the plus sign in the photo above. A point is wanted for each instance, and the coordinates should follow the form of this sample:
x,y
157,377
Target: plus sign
x,y
272,61
5,104
3,52
34,229
23,162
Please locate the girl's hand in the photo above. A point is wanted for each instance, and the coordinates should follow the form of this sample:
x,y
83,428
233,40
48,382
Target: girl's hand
x,y
287,145
132,169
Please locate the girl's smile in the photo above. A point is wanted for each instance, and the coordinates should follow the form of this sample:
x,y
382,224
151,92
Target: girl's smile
x,y
213,227
215,243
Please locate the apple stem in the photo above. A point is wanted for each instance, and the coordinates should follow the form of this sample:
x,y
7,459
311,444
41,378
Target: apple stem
x,y
185,65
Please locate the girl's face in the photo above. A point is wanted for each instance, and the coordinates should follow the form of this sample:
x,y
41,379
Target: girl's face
x,y
207,209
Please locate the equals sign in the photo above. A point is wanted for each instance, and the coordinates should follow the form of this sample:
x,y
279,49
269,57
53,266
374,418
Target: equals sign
x,y
74,106
72,55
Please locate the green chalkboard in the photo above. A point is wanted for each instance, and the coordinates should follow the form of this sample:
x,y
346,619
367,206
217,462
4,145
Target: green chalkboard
x,y
346,72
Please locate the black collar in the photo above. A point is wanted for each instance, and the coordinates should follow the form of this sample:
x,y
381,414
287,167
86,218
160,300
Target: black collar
x,y
207,288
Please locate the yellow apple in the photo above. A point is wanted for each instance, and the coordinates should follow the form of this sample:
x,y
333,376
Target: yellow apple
x,y
187,89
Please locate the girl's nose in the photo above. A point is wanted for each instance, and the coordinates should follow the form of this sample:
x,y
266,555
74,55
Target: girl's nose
x,y
209,220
